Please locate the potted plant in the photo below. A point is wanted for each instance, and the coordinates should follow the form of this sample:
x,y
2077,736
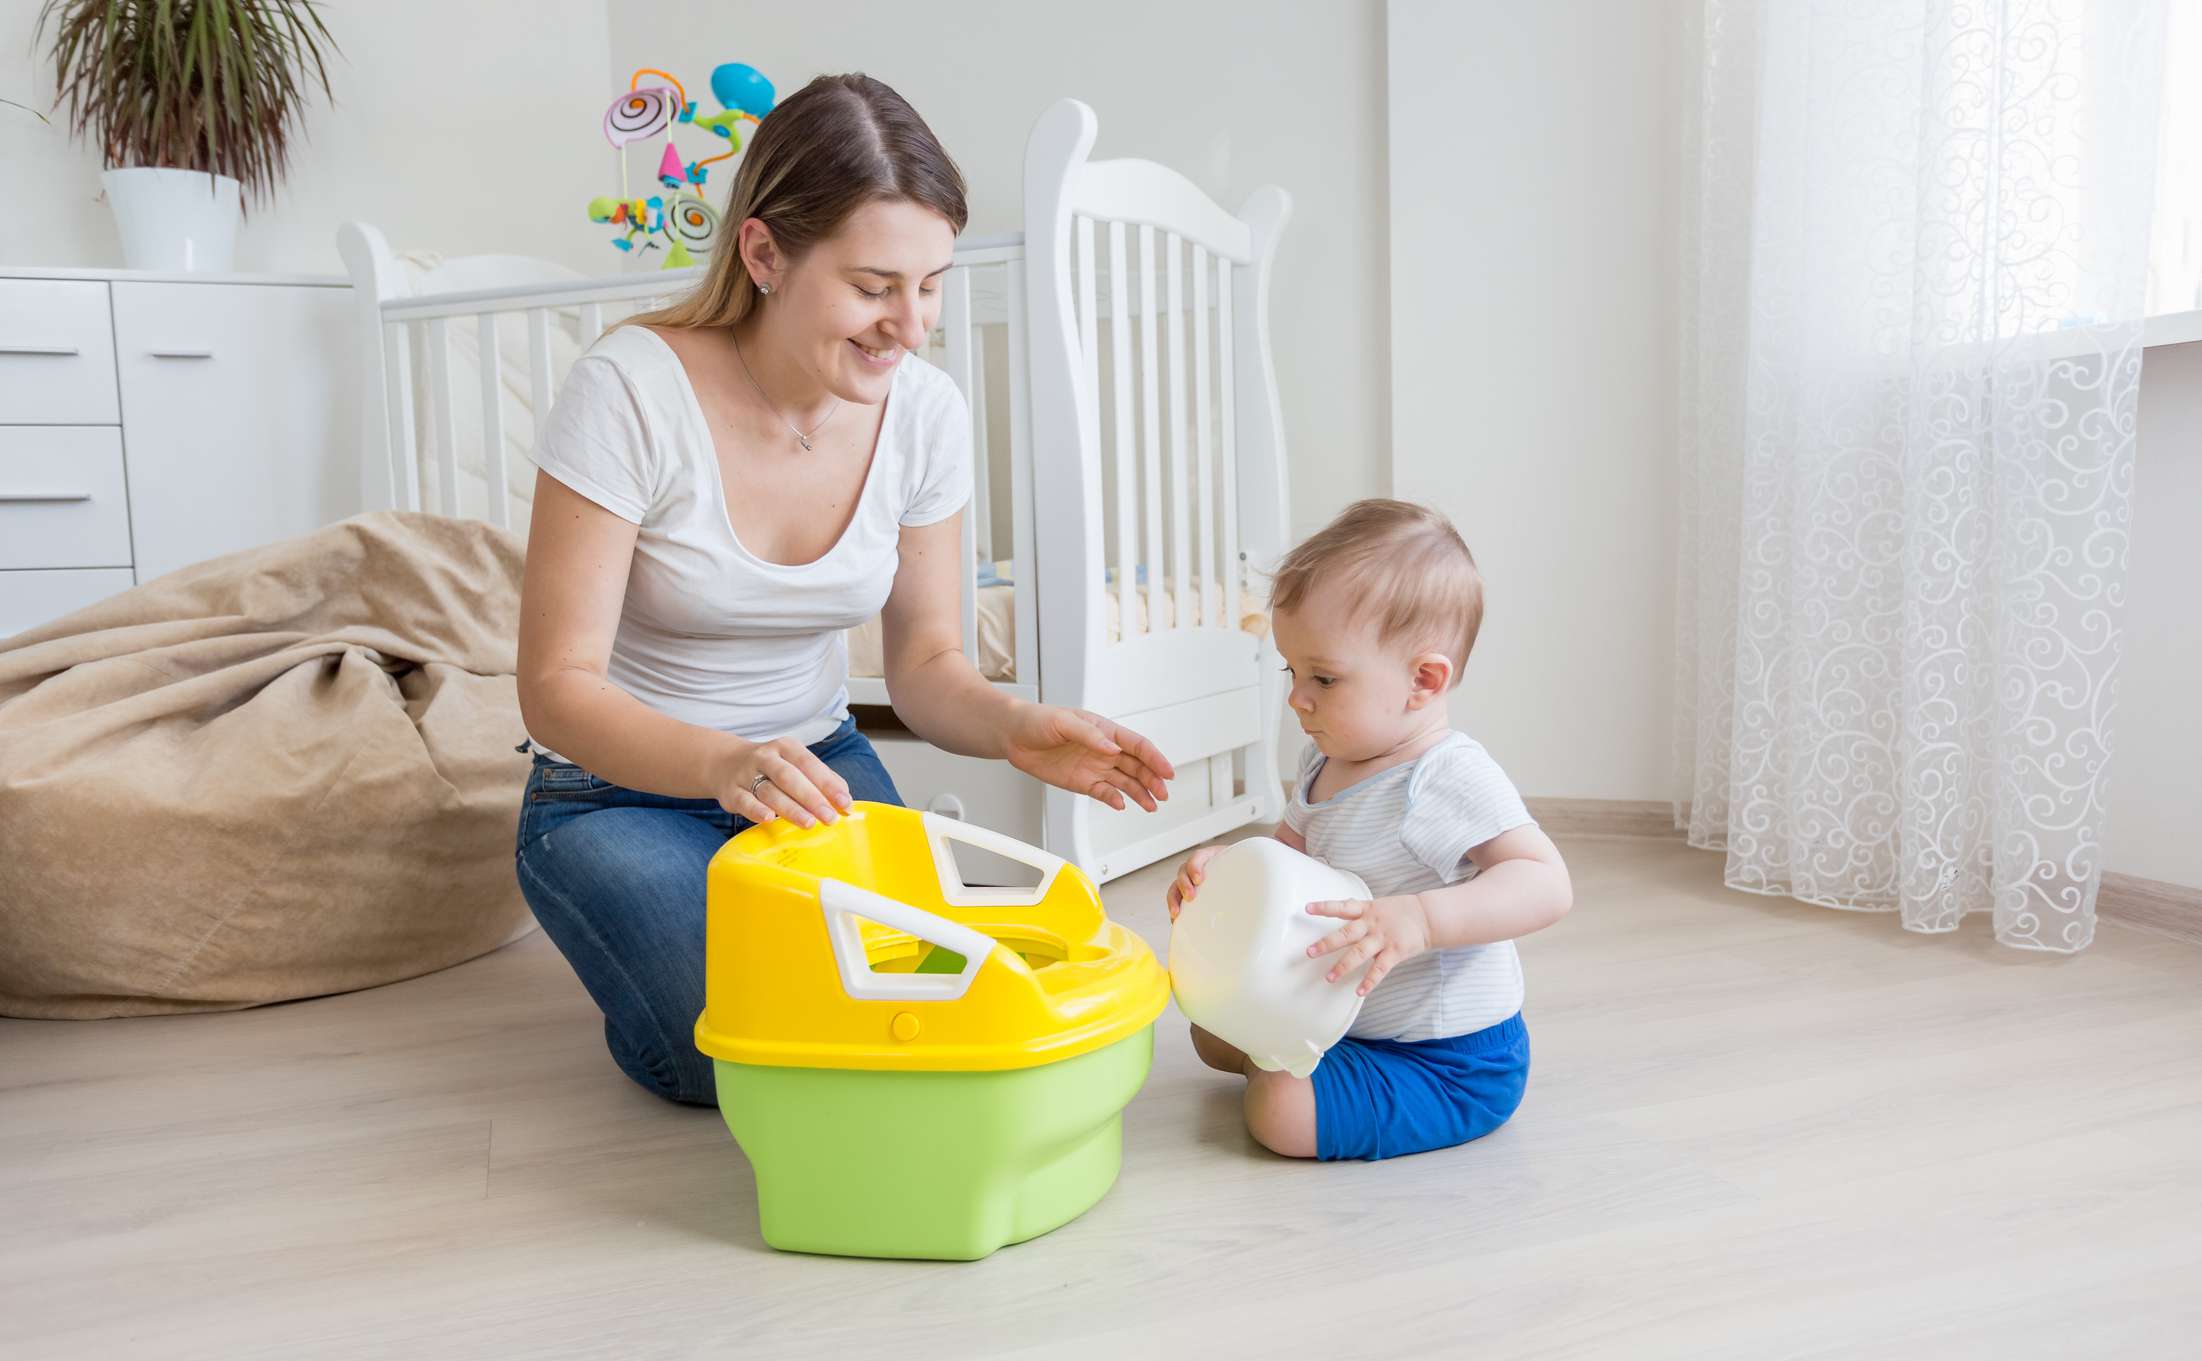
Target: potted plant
x,y
193,104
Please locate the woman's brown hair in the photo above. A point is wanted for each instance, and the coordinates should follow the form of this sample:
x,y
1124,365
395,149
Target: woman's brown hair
x,y
833,146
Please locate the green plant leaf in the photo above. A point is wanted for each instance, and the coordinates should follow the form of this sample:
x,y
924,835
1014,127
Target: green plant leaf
x,y
29,110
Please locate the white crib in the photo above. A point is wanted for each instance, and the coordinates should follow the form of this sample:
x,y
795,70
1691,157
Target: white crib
x,y
1129,459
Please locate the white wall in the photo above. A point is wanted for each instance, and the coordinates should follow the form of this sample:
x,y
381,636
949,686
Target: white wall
x,y
2155,824
1235,95
456,127
1533,378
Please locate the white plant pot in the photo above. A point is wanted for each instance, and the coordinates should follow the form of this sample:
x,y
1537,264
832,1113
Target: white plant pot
x,y
175,220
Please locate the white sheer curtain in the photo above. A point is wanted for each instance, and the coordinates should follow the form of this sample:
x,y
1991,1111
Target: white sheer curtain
x,y
1913,281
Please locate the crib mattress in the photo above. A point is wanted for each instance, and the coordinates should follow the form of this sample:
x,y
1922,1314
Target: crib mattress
x,y
997,611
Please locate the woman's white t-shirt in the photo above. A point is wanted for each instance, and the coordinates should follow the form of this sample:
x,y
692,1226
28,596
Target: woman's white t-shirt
x,y
710,633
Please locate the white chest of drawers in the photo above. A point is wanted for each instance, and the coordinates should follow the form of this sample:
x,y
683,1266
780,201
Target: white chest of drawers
x,y
151,421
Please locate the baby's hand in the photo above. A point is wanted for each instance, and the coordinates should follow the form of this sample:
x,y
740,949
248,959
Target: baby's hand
x,y
1387,931
1188,878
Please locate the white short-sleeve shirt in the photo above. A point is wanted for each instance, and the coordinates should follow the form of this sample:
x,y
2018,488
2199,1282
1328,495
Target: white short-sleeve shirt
x,y
1409,829
710,633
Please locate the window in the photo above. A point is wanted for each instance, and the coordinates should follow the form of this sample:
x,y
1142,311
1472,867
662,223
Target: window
x,y
2175,243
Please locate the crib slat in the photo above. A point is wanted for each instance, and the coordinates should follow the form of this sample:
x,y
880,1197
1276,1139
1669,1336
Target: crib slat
x,y
1227,382
444,416
955,327
493,421
1130,622
982,462
967,586
539,365
1086,290
1150,394
1212,578
1086,331
1022,569
405,479
1089,288
592,323
955,324
1181,472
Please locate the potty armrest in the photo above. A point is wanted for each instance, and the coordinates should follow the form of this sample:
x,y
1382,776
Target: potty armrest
x,y
843,903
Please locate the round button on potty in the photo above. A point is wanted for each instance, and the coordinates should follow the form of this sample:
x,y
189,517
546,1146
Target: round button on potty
x,y
904,1027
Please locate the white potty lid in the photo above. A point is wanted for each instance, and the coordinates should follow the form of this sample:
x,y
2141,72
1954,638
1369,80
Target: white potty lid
x,y
1238,955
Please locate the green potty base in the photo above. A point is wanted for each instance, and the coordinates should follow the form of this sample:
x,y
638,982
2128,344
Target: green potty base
x,y
948,1166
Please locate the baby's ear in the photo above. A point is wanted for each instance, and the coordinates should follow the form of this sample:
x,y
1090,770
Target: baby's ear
x,y
1432,676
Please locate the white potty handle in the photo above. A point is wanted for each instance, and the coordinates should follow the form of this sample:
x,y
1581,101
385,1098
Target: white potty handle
x,y
843,903
939,831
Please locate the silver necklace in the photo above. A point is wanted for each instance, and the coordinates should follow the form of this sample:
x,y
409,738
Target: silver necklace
x,y
800,437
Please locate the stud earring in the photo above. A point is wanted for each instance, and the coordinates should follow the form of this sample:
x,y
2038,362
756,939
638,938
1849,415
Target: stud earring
x,y
764,288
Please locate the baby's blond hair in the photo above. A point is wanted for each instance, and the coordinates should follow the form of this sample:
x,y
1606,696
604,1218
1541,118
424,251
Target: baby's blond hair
x,y
1404,562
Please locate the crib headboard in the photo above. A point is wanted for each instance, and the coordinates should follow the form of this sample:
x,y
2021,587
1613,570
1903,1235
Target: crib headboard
x,y
1154,363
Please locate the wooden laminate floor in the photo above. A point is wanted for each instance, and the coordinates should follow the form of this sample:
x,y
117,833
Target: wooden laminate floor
x,y
1754,1130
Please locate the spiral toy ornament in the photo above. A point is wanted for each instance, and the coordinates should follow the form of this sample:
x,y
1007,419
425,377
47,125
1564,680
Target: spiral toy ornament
x,y
639,114
681,224
692,222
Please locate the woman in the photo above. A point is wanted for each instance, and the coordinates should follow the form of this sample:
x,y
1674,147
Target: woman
x,y
724,487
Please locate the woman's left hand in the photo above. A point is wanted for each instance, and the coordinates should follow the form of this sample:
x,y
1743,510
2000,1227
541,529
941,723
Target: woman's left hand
x,y
1087,754
1382,934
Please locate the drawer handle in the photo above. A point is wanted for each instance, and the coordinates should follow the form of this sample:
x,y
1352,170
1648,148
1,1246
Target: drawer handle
x,y
181,354
63,350
40,497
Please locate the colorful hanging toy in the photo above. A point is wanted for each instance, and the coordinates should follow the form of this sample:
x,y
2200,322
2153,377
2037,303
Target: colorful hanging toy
x,y
681,215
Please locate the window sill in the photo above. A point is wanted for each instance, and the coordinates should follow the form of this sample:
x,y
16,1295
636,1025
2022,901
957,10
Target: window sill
x,y
2171,328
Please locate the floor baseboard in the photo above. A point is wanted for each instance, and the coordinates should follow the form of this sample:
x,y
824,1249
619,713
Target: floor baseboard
x,y
1644,819
2151,905
1641,819
2170,910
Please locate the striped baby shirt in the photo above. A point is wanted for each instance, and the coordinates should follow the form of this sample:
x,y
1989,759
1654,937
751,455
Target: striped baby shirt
x,y
1407,830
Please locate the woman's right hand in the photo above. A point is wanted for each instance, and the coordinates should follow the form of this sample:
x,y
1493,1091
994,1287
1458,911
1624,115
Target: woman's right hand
x,y
1189,876
795,784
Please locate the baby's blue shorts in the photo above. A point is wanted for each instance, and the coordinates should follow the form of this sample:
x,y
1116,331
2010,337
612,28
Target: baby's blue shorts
x,y
1382,1098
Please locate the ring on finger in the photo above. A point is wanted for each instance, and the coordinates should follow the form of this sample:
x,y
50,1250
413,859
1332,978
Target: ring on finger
x,y
754,785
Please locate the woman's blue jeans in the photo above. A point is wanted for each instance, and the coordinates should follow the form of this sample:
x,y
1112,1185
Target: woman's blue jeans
x,y
616,877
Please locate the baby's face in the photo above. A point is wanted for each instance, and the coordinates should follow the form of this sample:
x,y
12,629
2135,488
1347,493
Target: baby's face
x,y
1352,694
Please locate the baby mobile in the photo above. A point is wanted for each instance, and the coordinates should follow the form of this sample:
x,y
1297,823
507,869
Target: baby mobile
x,y
681,215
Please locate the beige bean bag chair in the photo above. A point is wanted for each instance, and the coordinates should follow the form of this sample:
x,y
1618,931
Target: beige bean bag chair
x,y
283,773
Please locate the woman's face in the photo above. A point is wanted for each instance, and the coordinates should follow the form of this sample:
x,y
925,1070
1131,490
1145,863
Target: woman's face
x,y
852,305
